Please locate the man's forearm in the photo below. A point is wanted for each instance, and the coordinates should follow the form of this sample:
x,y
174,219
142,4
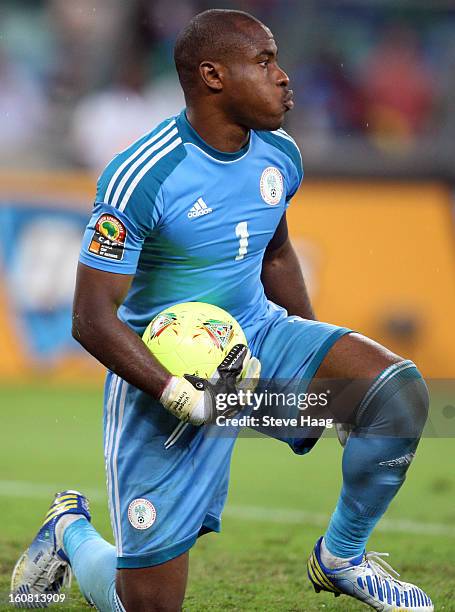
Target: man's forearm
x,y
284,283
122,351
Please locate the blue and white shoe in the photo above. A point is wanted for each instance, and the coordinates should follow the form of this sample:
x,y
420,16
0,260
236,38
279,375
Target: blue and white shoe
x,y
368,578
44,567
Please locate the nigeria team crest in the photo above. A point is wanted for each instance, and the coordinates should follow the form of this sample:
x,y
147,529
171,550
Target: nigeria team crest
x,y
141,513
271,186
221,333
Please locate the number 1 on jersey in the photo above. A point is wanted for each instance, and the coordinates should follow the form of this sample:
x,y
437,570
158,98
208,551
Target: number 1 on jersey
x,y
241,231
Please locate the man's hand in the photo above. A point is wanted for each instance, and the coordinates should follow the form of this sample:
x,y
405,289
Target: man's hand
x,y
193,399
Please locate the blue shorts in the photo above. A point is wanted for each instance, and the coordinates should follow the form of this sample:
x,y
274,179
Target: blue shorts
x,y
161,500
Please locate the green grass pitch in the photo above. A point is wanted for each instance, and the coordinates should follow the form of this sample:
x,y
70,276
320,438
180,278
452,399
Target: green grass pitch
x,y
278,506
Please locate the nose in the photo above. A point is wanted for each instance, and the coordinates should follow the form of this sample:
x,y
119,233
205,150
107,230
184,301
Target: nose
x,y
283,79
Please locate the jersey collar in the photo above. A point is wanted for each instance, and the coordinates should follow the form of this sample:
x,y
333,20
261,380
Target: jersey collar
x,y
189,134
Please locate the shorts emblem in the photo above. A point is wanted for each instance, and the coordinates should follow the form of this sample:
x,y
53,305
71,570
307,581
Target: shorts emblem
x,y
141,513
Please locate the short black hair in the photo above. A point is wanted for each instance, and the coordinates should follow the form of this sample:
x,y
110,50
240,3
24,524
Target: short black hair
x,y
211,35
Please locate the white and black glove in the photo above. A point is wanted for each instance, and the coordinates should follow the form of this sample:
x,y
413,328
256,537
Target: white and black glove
x,y
193,399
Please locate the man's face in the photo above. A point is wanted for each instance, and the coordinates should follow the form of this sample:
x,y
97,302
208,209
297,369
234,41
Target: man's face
x,y
256,90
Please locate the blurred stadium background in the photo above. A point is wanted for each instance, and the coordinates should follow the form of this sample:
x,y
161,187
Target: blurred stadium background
x,y
373,225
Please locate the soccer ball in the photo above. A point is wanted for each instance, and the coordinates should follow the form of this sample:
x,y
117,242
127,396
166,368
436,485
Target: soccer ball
x,y
192,338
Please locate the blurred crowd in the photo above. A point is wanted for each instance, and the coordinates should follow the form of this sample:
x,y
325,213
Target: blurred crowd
x,y
81,79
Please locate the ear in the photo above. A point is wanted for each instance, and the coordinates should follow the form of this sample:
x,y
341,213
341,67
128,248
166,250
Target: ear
x,y
212,74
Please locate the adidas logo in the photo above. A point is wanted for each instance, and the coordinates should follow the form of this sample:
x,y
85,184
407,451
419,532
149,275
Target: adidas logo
x,y
400,461
199,209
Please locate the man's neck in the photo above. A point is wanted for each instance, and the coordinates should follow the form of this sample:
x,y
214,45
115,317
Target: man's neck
x,y
216,130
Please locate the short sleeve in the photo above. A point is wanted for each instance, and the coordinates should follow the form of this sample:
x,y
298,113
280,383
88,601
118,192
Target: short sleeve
x,y
129,203
114,235
110,242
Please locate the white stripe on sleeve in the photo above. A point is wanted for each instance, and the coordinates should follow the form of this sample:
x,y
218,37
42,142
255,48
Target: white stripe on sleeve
x,y
145,169
133,156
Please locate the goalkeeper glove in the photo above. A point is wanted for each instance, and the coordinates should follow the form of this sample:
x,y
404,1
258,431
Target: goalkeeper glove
x,y
193,399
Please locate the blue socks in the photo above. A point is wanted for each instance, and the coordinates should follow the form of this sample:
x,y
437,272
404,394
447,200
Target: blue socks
x,y
93,561
389,423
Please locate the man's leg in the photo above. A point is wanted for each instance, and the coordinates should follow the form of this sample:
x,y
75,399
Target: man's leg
x,y
294,351
161,499
154,529
67,540
93,560
387,425
389,422
154,589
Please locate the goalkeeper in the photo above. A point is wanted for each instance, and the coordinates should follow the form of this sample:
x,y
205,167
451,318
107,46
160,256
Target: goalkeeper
x,y
196,211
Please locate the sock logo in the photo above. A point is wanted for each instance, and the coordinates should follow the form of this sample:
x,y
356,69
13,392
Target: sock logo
x,y
399,462
141,513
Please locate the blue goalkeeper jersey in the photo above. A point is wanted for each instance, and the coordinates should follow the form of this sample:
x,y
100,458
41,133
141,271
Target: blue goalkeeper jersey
x,y
191,223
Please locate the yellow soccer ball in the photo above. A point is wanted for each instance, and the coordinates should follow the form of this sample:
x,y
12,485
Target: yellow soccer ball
x,y
192,338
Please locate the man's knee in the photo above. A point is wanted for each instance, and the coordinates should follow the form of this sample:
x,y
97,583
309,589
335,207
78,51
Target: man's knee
x,y
396,404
